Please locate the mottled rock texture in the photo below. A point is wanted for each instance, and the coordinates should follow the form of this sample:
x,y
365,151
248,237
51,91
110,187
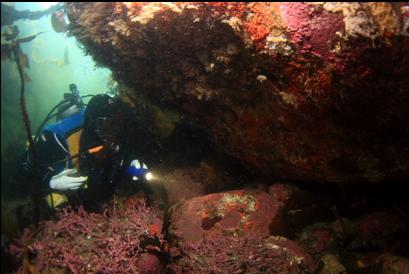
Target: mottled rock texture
x,y
231,213
299,91
229,232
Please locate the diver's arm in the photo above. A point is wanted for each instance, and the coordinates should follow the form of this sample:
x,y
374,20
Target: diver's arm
x,y
50,149
55,174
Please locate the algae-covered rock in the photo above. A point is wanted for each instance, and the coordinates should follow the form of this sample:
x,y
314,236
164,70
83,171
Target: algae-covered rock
x,y
230,232
298,91
231,213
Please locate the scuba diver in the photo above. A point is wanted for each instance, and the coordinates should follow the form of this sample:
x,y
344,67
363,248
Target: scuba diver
x,y
83,156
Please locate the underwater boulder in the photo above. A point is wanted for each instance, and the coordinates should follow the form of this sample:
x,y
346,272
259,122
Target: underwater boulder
x,y
330,265
224,232
300,207
298,91
233,213
381,231
382,263
357,242
388,263
323,238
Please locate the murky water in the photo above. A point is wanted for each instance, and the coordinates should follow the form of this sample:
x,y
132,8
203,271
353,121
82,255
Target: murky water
x,y
55,61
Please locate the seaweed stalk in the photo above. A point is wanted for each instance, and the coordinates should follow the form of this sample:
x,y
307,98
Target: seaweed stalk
x,y
34,185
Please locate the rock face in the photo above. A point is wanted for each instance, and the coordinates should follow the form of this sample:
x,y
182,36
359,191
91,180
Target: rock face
x,y
299,91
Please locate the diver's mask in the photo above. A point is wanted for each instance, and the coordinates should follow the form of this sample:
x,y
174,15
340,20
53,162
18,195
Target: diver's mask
x,y
109,129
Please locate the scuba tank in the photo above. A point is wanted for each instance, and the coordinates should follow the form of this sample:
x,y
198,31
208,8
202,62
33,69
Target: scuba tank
x,y
71,104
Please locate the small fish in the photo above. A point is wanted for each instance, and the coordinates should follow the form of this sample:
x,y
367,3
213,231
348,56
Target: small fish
x,y
58,22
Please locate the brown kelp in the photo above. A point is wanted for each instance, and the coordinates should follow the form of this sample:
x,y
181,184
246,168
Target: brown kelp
x,y
13,49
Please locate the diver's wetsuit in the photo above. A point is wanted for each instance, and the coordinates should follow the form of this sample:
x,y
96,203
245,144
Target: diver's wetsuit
x,y
79,134
67,138
54,147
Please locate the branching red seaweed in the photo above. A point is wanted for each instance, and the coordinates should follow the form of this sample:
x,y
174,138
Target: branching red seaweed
x,y
89,242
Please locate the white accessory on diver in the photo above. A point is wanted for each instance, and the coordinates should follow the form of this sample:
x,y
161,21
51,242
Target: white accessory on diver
x,y
62,181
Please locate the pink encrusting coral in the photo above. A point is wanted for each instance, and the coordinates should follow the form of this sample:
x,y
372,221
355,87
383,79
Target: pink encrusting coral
x,y
120,240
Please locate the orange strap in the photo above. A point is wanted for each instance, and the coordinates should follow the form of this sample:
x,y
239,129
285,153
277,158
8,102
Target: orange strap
x,y
95,149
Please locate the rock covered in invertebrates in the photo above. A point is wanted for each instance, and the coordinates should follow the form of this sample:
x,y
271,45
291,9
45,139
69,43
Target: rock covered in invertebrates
x,y
298,91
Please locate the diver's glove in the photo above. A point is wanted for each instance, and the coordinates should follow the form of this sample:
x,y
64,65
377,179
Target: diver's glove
x,y
138,170
62,181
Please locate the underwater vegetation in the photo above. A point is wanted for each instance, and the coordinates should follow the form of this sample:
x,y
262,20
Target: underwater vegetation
x,y
280,230
279,132
116,241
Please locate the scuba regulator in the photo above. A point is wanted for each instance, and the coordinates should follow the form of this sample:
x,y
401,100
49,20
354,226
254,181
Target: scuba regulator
x,y
72,105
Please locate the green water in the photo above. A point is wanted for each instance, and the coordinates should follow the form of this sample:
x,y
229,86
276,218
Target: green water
x,y
50,75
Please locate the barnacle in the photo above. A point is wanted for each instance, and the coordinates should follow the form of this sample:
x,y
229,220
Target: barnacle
x,y
261,78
